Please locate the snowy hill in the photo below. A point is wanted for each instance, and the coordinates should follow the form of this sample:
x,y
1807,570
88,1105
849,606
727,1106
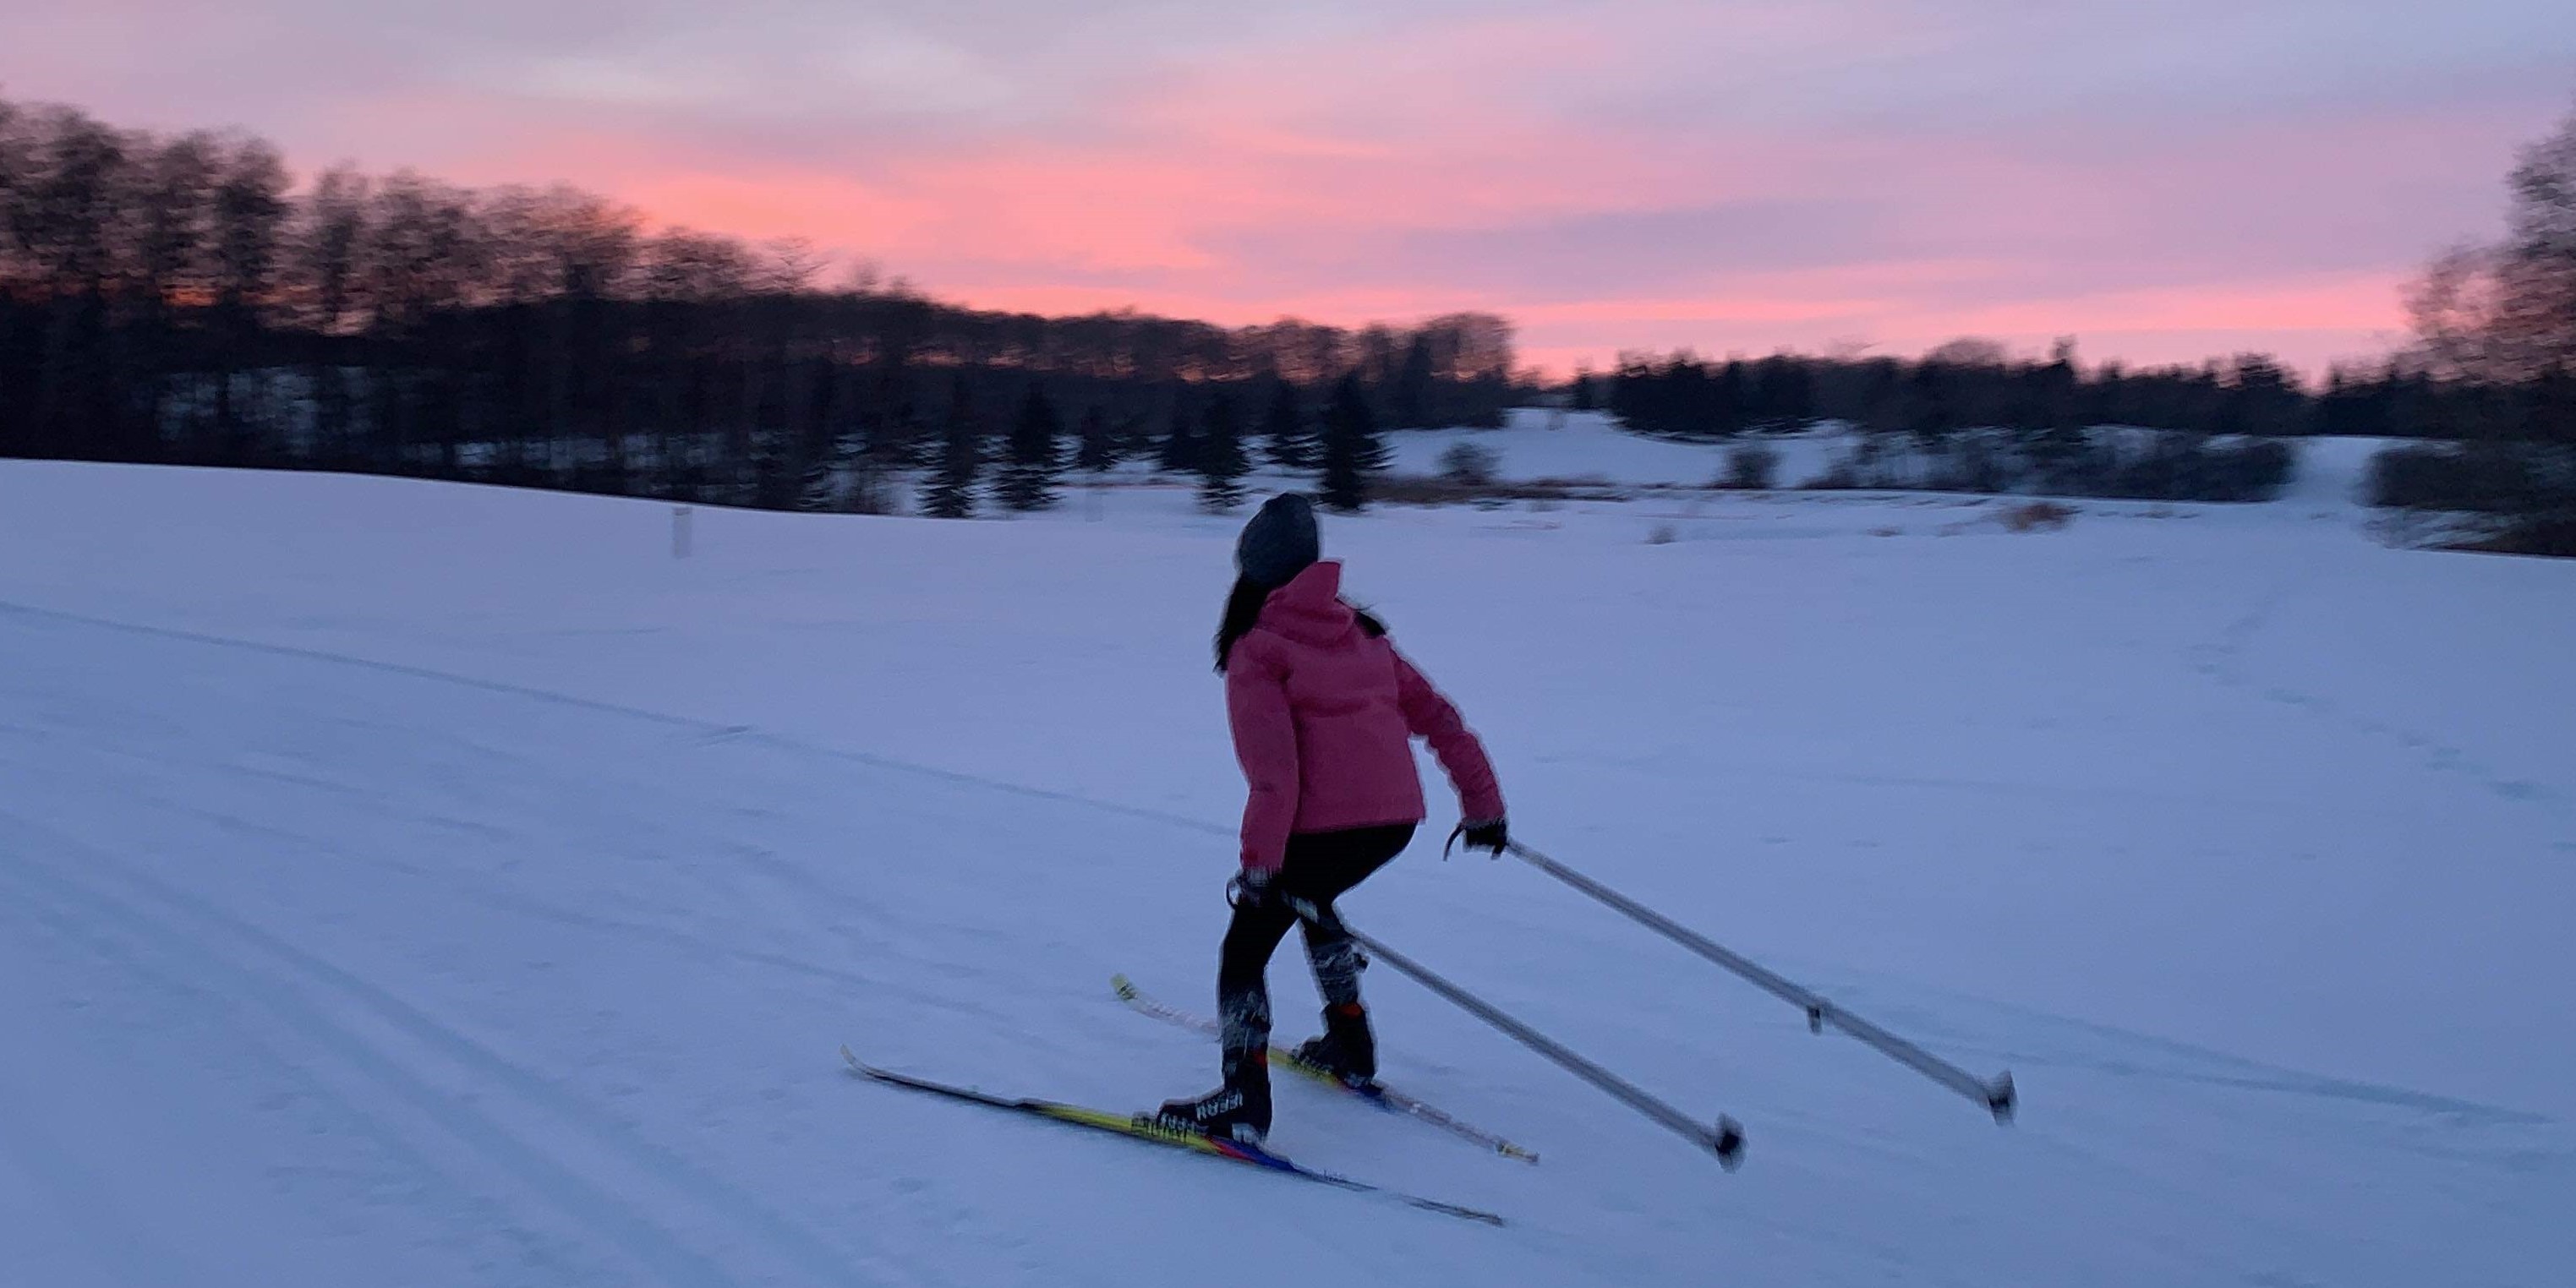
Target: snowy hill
x,y
1537,443
406,883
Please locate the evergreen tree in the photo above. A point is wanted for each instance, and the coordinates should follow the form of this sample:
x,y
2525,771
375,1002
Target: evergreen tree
x,y
1097,450
1221,460
2550,408
1413,409
1352,450
1584,398
1784,394
1930,410
1135,437
951,494
1037,455
820,488
1290,439
2262,397
896,440
1732,406
1179,453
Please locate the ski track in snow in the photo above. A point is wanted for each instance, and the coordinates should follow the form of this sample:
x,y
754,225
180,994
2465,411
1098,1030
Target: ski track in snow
x,y
2223,660
552,1143
357,969
800,886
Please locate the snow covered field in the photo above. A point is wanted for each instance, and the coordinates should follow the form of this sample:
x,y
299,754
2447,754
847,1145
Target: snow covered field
x,y
1536,443
412,884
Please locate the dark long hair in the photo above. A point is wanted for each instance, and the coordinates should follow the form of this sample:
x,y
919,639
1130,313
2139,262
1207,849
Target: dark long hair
x,y
1243,610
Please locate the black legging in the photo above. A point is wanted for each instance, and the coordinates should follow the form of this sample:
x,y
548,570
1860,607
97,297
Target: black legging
x,y
1318,868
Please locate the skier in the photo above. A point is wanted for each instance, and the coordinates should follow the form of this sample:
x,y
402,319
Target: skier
x,y
1323,710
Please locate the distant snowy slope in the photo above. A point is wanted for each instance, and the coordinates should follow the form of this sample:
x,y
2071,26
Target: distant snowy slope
x,y
1540,443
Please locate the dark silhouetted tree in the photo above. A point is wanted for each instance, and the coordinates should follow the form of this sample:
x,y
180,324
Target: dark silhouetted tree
x,y
1222,464
1352,449
1783,394
951,494
1288,438
1036,455
819,490
1132,433
250,213
1412,389
1178,453
1096,444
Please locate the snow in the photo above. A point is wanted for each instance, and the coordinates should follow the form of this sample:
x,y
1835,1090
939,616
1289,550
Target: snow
x,y
407,883
1540,443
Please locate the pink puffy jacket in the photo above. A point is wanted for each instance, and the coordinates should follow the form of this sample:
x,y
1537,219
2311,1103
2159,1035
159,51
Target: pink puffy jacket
x,y
1324,717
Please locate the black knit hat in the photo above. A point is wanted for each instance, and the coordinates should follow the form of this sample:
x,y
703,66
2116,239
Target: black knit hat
x,y
1279,542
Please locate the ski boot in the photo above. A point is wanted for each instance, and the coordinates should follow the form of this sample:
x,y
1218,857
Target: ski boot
x,y
1239,1111
1345,1050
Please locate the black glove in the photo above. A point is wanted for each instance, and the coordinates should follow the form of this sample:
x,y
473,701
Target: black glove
x,y
1489,834
1251,889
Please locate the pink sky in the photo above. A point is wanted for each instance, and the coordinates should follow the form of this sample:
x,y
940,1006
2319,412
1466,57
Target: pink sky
x,y
2164,182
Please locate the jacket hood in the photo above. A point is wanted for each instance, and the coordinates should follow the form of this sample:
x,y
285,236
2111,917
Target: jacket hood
x,y
1309,609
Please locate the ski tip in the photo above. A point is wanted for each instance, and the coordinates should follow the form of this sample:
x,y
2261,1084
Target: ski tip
x,y
2002,1099
1728,1143
1124,987
1510,1150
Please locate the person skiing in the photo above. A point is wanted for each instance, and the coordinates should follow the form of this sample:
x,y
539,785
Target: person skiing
x,y
1324,710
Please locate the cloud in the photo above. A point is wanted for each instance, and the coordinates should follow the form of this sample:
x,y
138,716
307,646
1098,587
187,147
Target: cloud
x,y
1612,172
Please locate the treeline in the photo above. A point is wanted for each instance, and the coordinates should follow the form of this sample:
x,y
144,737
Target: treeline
x,y
1972,384
1968,418
1966,384
181,299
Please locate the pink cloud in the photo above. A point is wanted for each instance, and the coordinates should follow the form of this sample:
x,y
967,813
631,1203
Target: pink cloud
x,y
1635,174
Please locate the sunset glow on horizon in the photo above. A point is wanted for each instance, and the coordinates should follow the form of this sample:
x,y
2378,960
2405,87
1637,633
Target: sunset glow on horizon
x,y
2165,183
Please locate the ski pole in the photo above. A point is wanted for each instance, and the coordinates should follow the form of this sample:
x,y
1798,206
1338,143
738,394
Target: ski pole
x,y
1997,1096
1726,1140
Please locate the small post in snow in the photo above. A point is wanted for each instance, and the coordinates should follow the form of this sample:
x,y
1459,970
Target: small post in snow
x,y
680,532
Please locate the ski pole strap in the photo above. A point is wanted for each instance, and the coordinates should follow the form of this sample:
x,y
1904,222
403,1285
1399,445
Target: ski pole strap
x,y
1998,1095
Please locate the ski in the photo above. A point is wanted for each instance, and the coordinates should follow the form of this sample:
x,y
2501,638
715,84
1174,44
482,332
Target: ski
x,y
1379,1094
1142,1127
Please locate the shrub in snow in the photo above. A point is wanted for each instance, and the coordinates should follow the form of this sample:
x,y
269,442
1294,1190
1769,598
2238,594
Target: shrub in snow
x,y
1843,475
1470,464
2038,516
2531,486
2487,477
2548,534
1751,467
2143,465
